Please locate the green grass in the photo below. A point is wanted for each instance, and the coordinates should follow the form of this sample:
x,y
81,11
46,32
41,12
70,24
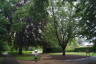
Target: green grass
x,y
15,52
81,53
74,53
27,52
27,57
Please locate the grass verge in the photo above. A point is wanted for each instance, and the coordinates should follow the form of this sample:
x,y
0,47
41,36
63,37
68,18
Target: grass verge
x,y
27,57
75,53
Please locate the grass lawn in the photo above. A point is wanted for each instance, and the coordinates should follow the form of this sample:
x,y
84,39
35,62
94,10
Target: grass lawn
x,y
27,57
74,53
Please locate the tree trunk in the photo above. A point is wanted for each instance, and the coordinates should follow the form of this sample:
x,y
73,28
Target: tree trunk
x,y
64,53
0,53
94,47
64,45
20,51
45,50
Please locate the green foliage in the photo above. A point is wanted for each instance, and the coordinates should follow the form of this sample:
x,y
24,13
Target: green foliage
x,y
54,50
20,23
65,25
72,45
83,49
38,10
3,46
17,27
49,34
87,12
3,26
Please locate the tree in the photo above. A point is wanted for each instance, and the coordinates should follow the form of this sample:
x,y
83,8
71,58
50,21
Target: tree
x,y
34,16
87,12
49,37
7,10
5,20
3,33
65,23
38,14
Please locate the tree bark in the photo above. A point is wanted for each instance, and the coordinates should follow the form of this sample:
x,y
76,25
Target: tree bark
x,y
44,51
64,45
20,51
64,52
94,47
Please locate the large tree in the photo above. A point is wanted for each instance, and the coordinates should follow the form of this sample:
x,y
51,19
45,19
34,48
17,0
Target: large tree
x,y
65,22
86,10
38,13
3,33
6,10
30,20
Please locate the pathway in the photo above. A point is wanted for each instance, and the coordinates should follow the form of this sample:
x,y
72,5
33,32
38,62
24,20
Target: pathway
x,y
54,59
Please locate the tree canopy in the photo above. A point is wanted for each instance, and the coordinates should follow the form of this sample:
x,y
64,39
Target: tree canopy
x,y
46,23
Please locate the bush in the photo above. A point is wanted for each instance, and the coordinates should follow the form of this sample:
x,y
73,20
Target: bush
x,y
3,46
53,50
83,49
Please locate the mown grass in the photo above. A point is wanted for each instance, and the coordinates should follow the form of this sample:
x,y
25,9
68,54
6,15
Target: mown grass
x,y
75,53
16,52
27,57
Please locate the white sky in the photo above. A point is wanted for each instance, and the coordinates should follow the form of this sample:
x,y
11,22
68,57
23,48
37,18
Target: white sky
x,y
84,42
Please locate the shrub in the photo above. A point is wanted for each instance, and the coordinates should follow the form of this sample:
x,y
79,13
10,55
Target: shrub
x,y
83,49
53,50
3,46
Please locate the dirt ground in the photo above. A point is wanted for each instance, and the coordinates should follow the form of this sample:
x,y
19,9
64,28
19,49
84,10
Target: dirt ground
x,y
54,59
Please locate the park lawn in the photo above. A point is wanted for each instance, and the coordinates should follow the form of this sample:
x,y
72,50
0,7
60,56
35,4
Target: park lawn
x,y
27,57
81,53
30,57
15,52
27,52
74,53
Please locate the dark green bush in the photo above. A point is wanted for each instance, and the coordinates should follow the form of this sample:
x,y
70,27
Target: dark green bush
x,y
83,49
53,50
2,46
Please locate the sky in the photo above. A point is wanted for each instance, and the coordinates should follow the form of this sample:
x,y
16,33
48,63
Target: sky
x,y
84,42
